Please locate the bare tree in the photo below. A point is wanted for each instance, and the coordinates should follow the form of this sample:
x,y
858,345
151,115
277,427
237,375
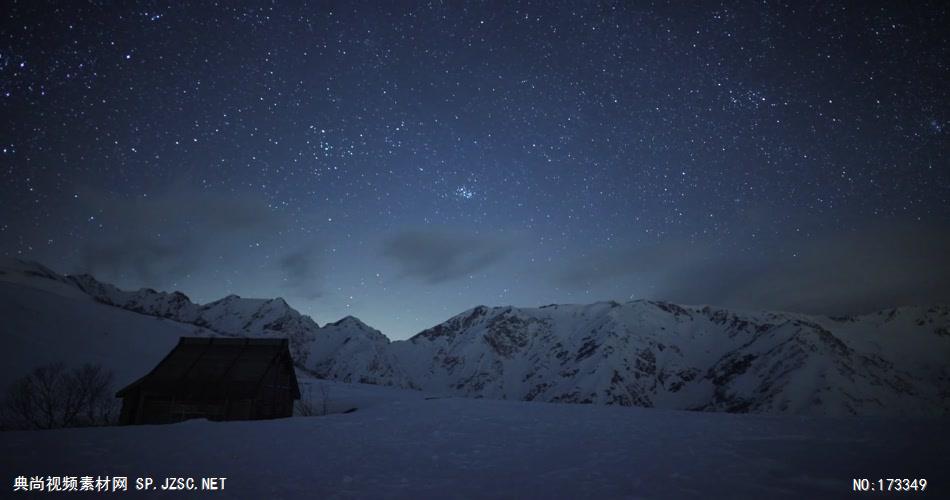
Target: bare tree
x,y
52,396
20,406
92,386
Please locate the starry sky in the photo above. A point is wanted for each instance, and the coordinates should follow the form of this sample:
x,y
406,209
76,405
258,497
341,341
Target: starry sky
x,y
402,162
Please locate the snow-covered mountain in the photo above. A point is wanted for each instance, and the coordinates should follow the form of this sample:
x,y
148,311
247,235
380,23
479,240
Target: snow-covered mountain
x,y
351,351
346,350
657,354
231,315
639,353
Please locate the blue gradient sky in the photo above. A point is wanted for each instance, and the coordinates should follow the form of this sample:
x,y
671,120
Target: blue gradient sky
x,y
404,162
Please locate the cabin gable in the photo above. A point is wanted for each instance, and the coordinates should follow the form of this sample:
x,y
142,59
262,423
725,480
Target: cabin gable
x,y
215,378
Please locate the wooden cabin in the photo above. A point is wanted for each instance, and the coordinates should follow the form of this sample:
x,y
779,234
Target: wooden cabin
x,y
215,378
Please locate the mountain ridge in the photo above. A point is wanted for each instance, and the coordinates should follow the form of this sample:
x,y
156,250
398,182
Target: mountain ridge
x,y
638,353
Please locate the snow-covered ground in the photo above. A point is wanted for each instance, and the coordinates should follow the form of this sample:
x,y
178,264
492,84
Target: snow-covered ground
x,y
398,444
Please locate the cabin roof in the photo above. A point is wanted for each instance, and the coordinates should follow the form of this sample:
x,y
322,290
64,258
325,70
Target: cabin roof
x,y
216,368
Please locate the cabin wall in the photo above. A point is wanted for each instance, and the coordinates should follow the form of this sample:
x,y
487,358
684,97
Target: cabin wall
x,y
160,409
129,412
240,409
274,400
152,409
155,411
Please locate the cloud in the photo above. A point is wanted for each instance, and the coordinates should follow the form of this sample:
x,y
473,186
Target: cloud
x,y
436,256
872,268
302,273
607,265
157,239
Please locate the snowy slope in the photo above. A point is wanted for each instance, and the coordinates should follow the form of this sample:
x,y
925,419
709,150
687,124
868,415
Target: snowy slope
x,y
46,320
400,445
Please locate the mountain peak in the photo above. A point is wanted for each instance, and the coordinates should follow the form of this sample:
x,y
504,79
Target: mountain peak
x,y
349,322
346,319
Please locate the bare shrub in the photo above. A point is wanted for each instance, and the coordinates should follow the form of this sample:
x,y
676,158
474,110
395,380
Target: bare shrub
x,y
324,397
308,406
305,408
52,396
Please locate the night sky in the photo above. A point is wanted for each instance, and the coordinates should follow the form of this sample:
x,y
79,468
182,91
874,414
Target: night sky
x,y
402,163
